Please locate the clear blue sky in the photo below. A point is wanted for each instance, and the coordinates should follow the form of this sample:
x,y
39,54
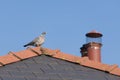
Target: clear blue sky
x,y
66,23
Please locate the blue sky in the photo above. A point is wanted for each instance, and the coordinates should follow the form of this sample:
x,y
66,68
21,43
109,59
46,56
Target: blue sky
x,y
66,23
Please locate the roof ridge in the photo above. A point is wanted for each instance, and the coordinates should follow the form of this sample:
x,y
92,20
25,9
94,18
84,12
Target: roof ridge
x,y
12,57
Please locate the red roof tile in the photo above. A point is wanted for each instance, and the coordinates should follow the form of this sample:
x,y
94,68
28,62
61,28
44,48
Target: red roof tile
x,y
24,54
31,52
8,59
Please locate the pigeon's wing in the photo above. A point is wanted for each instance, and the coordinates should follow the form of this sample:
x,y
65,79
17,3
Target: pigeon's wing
x,y
32,42
35,40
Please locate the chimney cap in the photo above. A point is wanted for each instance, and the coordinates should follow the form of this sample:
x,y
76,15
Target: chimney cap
x,y
94,34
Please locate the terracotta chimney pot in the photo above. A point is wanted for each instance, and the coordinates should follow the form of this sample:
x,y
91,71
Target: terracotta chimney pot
x,y
94,51
92,48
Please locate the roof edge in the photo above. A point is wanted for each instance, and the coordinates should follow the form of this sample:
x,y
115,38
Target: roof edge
x,y
12,57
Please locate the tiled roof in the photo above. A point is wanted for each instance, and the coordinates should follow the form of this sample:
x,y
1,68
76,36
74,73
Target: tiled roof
x,y
45,67
12,57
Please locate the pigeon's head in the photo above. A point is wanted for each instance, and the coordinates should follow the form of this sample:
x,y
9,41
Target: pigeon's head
x,y
43,33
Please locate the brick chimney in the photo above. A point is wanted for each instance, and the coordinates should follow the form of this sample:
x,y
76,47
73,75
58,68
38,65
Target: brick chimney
x,y
92,48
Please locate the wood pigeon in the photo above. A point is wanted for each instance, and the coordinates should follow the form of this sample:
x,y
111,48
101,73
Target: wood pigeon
x,y
38,41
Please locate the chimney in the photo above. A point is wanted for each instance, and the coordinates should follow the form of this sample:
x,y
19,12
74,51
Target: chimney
x,y
92,48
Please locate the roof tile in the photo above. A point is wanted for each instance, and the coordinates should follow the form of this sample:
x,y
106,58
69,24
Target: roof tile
x,y
8,59
51,52
67,57
12,78
21,74
111,67
36,50
95,65
25,54
4,73
115,71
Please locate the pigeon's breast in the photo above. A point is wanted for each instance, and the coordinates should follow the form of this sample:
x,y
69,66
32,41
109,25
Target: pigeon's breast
x,y
40,41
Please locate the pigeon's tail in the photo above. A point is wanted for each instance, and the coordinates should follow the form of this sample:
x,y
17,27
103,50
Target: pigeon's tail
x,y
25,45
31,43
